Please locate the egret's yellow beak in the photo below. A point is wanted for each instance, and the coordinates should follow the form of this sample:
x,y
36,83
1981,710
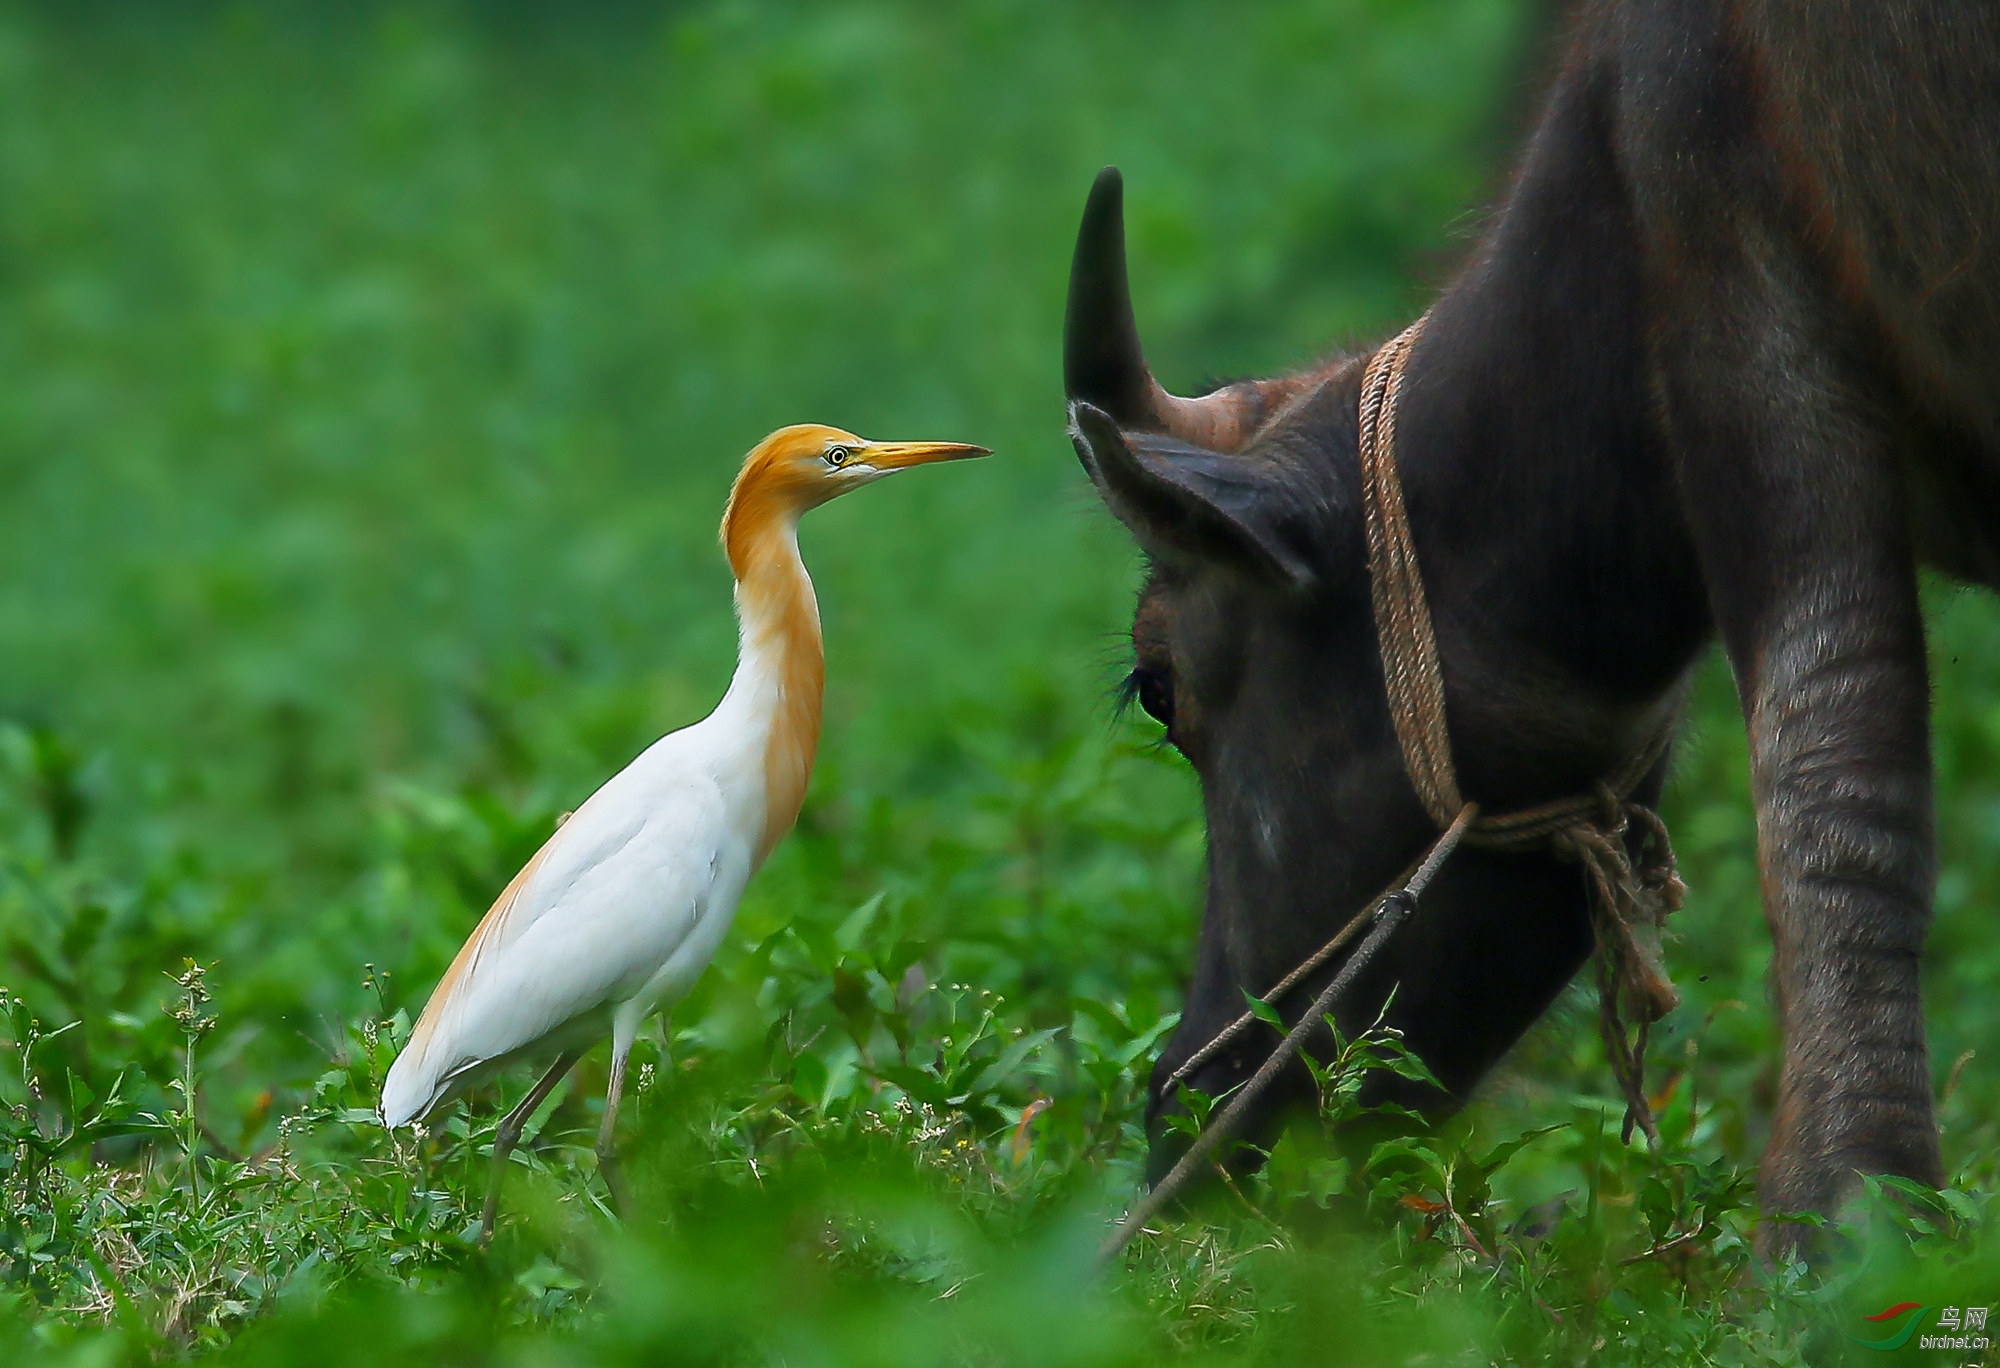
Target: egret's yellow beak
x,y
898,455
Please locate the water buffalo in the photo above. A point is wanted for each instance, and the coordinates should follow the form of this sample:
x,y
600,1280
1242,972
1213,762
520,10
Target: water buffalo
x,y
1726,362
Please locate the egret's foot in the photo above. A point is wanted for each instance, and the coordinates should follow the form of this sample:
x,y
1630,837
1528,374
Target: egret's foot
x,y
613,1174
504,1140
508,1134
489,1214
607,1129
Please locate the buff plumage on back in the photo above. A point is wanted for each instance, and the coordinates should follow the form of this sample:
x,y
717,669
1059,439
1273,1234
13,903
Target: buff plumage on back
x,y
400,1107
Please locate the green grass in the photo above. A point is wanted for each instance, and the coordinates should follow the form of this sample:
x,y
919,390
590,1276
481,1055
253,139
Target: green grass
x,y
373,379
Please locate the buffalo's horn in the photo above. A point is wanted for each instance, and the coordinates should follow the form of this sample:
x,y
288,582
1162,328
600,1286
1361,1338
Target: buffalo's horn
x,y
1102,361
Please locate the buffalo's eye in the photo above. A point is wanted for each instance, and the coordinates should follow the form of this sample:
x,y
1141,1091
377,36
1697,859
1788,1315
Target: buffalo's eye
x,y
1155,691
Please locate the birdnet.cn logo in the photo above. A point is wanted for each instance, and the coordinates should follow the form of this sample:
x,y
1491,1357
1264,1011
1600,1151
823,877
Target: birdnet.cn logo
x,y
1957,1327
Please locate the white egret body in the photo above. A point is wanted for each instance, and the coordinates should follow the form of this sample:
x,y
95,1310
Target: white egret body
x,y
618,914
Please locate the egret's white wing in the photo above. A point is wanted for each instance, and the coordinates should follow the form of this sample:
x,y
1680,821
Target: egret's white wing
x,y
589,921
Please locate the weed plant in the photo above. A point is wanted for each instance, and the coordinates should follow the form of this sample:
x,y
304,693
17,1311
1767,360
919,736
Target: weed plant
x,y
374,378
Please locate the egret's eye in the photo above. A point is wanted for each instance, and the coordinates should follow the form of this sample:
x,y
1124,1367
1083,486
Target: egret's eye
x,y
836,456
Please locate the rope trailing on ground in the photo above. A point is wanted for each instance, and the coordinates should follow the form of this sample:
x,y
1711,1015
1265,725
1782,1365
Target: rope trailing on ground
x,y
1386,914
1629,899
1409,883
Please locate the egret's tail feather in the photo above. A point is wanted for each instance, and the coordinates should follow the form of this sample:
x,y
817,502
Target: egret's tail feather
x,y
409,1092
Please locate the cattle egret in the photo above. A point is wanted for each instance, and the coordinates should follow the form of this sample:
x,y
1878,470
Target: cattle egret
x,y
624,906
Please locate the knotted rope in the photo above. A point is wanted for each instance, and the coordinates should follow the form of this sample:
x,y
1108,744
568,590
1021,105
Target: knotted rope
x,y
1383,916
1629,899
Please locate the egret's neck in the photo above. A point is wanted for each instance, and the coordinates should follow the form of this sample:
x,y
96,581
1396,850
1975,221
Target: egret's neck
x,y
773,702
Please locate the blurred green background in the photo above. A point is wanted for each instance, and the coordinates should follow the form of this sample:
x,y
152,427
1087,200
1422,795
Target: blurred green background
x,y
378,376
371,378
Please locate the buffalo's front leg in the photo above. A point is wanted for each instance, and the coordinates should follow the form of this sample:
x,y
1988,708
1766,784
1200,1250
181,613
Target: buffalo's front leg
x,y
1792,489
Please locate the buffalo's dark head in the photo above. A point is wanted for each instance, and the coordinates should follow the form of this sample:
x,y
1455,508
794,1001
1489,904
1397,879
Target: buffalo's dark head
x,y
1255,648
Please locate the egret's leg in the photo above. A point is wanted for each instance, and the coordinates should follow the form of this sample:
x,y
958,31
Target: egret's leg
x,y
607,1139
509,1131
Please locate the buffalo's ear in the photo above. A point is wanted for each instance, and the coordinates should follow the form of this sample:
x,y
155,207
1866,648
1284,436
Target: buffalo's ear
x,y
1184,500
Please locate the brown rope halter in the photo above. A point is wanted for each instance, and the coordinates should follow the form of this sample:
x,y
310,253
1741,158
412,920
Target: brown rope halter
x,y
1629,899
